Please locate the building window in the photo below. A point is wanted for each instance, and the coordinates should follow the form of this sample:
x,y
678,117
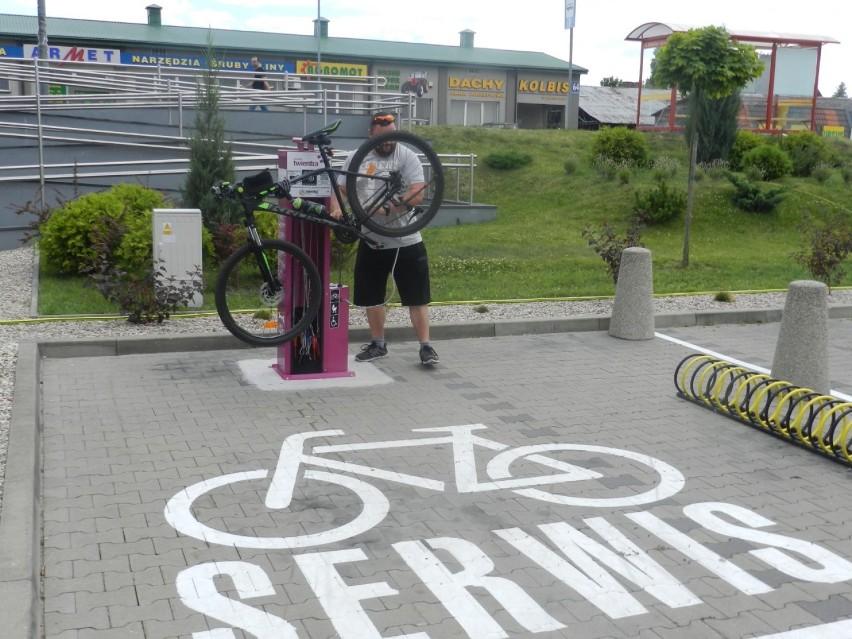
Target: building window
x,y
473,113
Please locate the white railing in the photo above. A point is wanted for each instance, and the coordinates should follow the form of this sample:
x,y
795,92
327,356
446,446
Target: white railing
x,y
93,86
87,85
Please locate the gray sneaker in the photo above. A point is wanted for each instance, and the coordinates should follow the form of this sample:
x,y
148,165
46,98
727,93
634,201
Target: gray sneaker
x,y
371,351
428,356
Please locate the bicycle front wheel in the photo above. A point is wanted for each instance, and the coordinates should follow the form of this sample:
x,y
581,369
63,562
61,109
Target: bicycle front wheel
x,y
268,295
397,170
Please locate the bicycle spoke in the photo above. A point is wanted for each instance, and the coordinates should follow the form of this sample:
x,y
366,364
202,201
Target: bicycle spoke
x,y
397,184
267,296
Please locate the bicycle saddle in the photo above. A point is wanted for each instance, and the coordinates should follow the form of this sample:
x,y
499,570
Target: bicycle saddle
x,y
320,137
257,183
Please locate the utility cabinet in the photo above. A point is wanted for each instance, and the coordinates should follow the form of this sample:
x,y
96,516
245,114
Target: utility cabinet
x,y
177,242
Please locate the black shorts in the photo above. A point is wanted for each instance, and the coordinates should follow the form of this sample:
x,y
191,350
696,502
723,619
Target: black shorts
x,y
411,274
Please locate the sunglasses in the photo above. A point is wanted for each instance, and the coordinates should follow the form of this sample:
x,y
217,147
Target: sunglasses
x,y
383,120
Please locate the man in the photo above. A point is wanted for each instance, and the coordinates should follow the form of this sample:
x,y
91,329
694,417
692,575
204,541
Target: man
x,y
259,83
403,257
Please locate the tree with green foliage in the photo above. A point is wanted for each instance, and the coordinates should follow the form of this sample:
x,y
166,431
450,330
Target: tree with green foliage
x,y
840,92
612,81
717,122
210,155
704,62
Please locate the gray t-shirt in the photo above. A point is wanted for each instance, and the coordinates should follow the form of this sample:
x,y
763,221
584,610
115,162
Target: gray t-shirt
x,y
408,164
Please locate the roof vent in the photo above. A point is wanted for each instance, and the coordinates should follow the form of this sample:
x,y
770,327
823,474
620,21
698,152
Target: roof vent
x,y
321,28
155,18
466,39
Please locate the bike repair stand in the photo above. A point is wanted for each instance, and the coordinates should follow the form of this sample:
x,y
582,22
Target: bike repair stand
x,y
322,351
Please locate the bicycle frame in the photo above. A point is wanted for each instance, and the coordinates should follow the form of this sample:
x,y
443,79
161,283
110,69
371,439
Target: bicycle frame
x,y
257,202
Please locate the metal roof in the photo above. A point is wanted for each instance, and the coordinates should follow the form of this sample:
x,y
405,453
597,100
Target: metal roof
x,y
617,105
116,34
655,31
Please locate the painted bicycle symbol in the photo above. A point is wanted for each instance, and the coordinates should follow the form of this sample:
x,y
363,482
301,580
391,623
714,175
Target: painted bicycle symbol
x,y
314,466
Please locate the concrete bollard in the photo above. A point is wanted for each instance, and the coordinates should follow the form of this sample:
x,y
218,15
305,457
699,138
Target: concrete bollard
x,y
801,353
633,308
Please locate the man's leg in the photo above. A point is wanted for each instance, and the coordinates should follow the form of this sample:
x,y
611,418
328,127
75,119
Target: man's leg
x,y
377,347
420,321
376,320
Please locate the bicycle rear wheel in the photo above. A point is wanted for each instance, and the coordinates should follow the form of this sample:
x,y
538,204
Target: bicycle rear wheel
x,y
268,310
395,168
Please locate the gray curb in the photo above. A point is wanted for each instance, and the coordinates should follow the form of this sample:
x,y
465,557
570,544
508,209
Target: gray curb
x,y
20,519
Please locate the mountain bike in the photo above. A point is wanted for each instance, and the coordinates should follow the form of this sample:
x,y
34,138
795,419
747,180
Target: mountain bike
x,y
269,290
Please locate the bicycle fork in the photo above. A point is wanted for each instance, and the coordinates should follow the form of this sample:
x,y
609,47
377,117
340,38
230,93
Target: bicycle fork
x,y
270,278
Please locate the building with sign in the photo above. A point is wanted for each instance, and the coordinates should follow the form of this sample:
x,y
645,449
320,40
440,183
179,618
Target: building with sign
x,y
456,85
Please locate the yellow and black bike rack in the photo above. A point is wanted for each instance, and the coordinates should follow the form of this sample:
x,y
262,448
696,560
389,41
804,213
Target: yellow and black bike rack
x,y
802,416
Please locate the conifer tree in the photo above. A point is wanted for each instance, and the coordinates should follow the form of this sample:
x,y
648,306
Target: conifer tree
x,y
210,154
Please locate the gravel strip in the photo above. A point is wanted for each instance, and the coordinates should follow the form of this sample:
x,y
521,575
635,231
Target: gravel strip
x,y
16,267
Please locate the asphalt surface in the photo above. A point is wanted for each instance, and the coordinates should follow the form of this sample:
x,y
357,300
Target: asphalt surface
x,y
548,484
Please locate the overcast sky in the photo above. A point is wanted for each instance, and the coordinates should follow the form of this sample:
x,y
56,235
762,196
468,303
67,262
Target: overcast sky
x,y
531,25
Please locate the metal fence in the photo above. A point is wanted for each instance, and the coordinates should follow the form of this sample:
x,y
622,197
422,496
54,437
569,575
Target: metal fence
x,y
74,87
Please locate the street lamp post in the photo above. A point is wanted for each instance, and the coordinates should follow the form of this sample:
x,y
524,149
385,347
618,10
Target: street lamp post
x,y
570,11
41,89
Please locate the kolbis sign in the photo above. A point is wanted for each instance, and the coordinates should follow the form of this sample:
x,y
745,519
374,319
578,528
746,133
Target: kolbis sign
x,y
605,567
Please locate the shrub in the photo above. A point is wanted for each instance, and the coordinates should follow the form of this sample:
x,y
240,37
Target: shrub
x,y
660,204
771,161
827,242
606,167
745,142
507,160
754,198
610,247
822,173
67,236
36,214
665,167
755,174
715,169
138,199
227,238
806,150
621,145
146,295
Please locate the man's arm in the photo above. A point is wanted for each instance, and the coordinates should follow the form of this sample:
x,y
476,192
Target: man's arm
x,y
334,206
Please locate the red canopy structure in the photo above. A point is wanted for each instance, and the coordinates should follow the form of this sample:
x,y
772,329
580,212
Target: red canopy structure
x,y
655,34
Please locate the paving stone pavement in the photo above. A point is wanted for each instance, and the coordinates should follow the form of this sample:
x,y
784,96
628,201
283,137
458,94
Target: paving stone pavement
x,y
643,516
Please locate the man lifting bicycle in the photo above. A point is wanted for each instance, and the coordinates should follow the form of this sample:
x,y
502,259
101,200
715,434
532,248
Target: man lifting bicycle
x,y
403,257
